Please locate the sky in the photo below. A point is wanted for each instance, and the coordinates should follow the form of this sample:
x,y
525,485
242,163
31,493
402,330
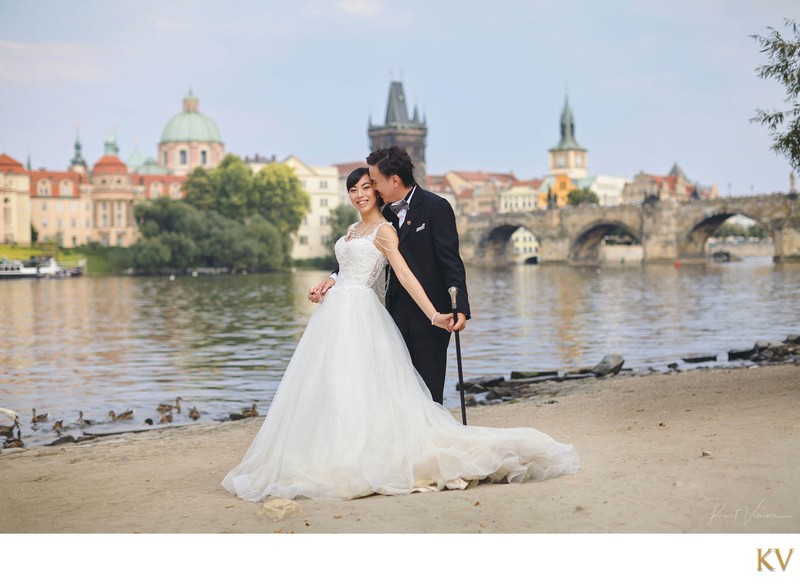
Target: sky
x,y
650,83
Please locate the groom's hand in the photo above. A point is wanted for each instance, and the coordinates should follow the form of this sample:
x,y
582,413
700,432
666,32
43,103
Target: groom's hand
x,y
457,326
316,294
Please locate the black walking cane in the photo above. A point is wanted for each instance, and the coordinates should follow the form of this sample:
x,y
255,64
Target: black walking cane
x,y
453,292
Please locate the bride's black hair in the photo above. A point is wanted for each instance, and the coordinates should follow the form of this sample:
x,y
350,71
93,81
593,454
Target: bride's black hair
x,y
355,176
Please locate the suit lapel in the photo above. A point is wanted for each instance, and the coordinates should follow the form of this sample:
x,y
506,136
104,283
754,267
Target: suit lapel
x,y
411,215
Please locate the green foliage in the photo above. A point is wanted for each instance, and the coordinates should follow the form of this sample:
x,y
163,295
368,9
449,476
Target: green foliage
x,y
341,218
783,56
234,192
177,237
583,196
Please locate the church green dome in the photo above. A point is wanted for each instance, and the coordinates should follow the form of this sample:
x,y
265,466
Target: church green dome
x,y
190,125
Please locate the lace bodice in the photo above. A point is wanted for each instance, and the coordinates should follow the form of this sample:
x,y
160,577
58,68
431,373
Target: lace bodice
x,y
361,264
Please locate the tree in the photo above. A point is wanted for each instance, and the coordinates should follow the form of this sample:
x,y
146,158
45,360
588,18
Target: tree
x,y
783,56
583,196
34,234
341,218
280,199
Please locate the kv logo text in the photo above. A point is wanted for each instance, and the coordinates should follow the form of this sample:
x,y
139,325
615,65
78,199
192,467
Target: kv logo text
x,y
766,559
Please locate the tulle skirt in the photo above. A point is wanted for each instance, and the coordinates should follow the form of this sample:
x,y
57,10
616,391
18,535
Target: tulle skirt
x,y
352,417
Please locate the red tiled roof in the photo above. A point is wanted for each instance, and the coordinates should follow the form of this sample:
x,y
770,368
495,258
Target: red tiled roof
x,y
535,183
9,165
347,168
465,193
481,176
109,165
56,177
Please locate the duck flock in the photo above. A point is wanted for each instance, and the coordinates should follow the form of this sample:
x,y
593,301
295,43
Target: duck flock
x,y
11,435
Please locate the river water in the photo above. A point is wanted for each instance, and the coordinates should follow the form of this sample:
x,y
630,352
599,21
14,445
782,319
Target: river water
x,y
221,342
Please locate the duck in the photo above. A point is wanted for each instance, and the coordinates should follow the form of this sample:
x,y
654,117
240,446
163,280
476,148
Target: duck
x,y
148,421
41,418
124,415
8,430
167,407
14,442
58,426
82,421
250,411
194,413
166,418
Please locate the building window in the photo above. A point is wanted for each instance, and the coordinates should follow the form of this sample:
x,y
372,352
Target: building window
x,y
183,157
323,185
175,190
104,223
119,213
74,241
323,202
74,223
59,207
155,190
324,220
166,158
44,206
325,239
203,158
120,240
43,187
304,240
59,222
66,187
88,207
88,223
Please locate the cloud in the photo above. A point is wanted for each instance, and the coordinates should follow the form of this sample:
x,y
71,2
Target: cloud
x,y
48,63
362,8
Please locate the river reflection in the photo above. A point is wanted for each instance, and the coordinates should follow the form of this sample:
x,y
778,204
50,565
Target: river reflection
x,y
117,343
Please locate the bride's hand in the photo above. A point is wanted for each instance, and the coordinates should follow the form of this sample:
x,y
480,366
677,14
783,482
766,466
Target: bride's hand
x,y
442,320
316,293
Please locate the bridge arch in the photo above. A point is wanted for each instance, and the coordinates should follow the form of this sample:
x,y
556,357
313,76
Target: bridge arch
x,y
585,248
495,247
692,244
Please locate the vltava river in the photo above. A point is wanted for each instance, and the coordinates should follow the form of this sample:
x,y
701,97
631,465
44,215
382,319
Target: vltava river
x,y
221,343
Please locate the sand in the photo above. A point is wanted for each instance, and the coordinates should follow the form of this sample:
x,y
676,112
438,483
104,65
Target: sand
x,y
707,451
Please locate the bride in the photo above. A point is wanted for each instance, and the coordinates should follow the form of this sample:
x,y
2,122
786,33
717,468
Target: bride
x,y
351,417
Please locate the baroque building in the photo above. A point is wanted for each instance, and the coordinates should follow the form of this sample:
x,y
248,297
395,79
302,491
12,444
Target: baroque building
x,y
189,140
15,217
398,129
674,186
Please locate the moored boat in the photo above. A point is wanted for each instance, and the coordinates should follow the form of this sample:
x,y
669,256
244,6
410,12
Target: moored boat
x,y
37,268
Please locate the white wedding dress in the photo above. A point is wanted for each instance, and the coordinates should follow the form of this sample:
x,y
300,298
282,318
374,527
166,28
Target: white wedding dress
x,y
351,416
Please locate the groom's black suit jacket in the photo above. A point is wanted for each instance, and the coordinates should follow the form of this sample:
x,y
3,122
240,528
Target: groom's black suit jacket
x,y
428,241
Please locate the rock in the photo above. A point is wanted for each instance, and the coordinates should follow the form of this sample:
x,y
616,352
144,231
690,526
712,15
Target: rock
x,y
64,439
673,365
515,374
579,375
521,382
699,358
278,509
610,364
793,339
741,354
764,344
484,381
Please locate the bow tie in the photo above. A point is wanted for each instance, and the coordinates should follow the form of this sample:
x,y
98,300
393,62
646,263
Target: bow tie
x,y
398,206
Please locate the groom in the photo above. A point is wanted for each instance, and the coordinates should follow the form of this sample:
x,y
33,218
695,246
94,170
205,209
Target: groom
x,y
428,241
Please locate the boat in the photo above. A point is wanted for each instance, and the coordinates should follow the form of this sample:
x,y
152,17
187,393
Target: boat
x,y
38,268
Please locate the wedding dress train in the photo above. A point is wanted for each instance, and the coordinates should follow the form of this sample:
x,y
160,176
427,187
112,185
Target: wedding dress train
x,y
352,417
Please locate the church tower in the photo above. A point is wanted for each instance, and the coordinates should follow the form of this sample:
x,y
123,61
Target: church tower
x,y
568,157
400,130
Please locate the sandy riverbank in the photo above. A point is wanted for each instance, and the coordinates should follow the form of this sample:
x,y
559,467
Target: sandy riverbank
x,y
641,439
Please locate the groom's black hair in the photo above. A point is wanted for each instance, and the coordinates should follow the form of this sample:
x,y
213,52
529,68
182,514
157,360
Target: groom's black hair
x,y
393,161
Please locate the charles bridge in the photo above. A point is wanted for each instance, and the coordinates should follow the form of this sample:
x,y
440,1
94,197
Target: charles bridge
x,y
667,231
